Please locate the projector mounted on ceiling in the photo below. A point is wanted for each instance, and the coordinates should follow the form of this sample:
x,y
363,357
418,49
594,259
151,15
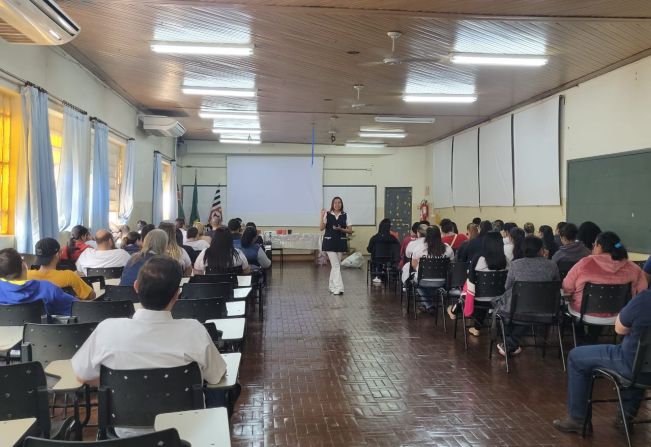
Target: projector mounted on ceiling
x,y
39,22
162,126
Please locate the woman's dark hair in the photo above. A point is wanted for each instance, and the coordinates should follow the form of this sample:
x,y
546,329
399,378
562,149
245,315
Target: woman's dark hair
x,y
131,238
446,226
485,227
493,251
498,224
332,204
77,232
221,252
477,221
569,231
146,229
414,227
179,237
158,281
548,239
517,236
455,229
531,246
251,224
560,225
507,227
249,236
611,243
588,232
435,247
384,228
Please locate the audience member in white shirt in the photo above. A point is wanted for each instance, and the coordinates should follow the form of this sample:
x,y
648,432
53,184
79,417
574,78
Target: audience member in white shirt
x,y
104,256
152,338
415,246
221,254
194,241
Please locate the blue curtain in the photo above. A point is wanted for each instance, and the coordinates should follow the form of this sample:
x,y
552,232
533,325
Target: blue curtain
x,y
128,180
100,193
74,170
157,199
36,200
174,205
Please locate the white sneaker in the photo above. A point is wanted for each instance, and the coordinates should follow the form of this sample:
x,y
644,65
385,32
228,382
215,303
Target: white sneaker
x,y
338,293
377,280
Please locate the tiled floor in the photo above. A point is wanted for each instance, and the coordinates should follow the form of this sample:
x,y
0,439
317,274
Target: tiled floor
x,y
351,370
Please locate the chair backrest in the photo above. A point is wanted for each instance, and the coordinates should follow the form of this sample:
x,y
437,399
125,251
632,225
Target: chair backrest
x,y
642,362
67,264
215,334
133,398
564,268
535,301
106,272
385,251
200,309
90,280
604,298
48,342
19,314
214,270
164,438
23,394
490,283
458,274
207,290
640,263
215,278
433,268
119,293
89,311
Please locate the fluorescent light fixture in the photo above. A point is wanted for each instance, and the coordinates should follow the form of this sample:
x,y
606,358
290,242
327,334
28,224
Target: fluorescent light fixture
x,y
383,130
237,131
518,60
382,135
202,48
442,98
54,34
405,119
238,141
219,91
362,144
205,114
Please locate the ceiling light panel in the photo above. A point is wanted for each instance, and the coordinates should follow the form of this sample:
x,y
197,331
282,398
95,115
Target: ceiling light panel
x,y
516,60
207,114
435,98
219,91
237,131
362,144
238,141
202,48
405,119
382,135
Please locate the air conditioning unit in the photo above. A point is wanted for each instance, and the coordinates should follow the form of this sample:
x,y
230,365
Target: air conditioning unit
x,y
39,22
162,126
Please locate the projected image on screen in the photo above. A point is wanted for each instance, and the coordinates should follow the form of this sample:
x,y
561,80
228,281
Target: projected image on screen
x,y
275,191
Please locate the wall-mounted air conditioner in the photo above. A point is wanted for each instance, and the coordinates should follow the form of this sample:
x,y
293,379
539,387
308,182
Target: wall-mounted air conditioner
x,y
162,126
39,22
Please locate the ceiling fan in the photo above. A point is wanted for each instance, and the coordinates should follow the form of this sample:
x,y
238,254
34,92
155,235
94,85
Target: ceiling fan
x,y
358,104
395,59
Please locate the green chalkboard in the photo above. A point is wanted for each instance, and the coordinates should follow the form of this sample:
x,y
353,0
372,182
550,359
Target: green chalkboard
x,y
613,191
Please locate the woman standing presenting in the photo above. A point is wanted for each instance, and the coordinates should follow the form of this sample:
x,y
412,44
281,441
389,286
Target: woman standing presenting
x,y
337,226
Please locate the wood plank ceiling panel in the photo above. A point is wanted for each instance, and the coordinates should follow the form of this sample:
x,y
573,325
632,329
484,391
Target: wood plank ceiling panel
x,y
305,75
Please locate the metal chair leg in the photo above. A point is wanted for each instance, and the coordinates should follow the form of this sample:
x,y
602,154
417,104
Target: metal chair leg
x,y
445,325
588,409
506,349
574,333
560,345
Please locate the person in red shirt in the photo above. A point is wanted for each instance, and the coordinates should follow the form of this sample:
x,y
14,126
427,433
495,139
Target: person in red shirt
x,y
79,236
449,236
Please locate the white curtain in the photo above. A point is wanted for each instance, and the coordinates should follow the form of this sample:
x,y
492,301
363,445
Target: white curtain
x,y
157,199
100,191
174,205
74,170
128,181
36,200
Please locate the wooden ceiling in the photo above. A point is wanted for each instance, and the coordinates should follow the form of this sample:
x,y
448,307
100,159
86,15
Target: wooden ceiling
x,y
305,75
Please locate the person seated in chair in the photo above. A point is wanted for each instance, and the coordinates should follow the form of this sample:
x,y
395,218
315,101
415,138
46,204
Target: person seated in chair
x,y
571,249
104,256
631,323
152,338
235,227
194,241
47,257
412,236
15,288
221,255
533,266
433,248
155,244
253,251
450,236
383,236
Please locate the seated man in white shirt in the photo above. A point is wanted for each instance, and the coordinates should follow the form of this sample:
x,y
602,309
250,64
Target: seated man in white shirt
x,y
194,241
104,256
152,338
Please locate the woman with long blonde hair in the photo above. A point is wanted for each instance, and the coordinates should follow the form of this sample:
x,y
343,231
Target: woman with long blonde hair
x,y
155,243
174,250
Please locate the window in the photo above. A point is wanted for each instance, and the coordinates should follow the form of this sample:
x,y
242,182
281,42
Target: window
x,y
8,140
116,149
167,190
55,119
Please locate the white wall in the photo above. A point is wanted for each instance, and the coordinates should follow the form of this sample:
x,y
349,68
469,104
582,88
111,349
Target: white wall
x,y
62,76
342,166
606,115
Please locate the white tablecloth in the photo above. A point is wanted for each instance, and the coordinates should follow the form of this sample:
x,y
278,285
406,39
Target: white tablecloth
x,y
297,241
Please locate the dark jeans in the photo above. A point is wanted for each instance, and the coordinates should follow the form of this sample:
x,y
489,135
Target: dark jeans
x,y
222,398
581,362
513,334
428,295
